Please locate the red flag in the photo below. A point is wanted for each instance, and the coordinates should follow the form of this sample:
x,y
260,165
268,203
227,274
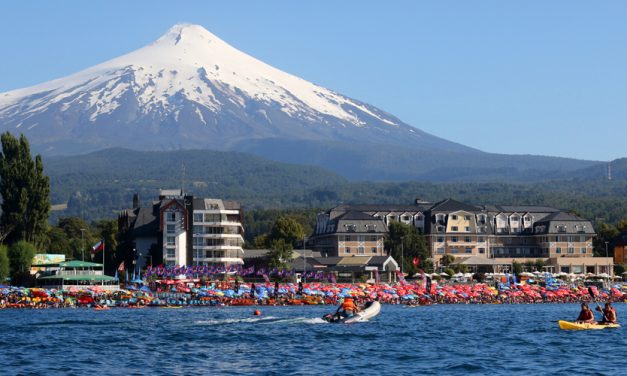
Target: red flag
x,y
415,261
121,267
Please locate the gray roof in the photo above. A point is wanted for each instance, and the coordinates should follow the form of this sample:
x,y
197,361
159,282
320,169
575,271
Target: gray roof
x,y
450,205
147,222
519,209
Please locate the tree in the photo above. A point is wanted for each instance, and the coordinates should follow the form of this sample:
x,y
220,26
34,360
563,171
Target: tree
x,y
287,229
406,244
517,267
107,230
280,254
25,191
5,266
447,259
21,257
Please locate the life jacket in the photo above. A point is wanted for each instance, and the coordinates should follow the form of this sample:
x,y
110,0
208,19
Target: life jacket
x,y
609,315
586,315
348,305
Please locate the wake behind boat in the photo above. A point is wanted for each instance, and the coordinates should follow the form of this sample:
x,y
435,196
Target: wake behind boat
x,y
371,310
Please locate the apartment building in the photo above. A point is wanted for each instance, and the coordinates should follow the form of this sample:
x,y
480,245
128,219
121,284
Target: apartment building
x,y
180,229
495,236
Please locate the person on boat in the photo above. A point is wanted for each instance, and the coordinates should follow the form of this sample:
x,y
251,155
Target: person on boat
x,y
348,308
586,315
609,314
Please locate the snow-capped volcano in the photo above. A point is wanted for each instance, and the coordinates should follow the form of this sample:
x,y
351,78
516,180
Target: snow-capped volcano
x,y
190,89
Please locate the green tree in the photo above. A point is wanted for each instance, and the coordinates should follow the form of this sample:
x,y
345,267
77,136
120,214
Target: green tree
x,y
21,257
517,267
447,259
5,266
71,236
605,233
406,244
107,230
280,254
25,192
288,229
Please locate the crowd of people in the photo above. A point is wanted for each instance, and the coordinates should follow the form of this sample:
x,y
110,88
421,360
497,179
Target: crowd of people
x,y
220,293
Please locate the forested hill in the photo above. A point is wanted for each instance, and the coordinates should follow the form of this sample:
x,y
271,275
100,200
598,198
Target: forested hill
x,y
100,184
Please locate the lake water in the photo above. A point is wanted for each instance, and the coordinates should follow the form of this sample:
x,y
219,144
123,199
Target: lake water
x,y
440,339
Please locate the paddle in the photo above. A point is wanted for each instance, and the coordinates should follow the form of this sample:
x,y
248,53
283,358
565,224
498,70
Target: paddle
x,y
591,292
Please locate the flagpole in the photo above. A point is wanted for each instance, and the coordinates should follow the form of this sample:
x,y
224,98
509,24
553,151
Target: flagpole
x,y
104,249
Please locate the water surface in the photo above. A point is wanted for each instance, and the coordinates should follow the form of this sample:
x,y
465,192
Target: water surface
x,y
440,339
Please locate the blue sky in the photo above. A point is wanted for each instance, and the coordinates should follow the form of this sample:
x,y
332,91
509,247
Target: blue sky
x,y
516,77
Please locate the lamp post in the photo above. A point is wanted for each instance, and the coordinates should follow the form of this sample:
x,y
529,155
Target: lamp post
x,y
607,257
304,259
402,256
82,244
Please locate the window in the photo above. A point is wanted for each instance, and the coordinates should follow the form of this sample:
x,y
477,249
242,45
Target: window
x,y
453,217
361,238
482,250
467,239
454,228
582,250
348,250
558,250
571,250
373,250
454,239
197,217
373,238
480,239
467,217
170,253
440,239
454,250
406,218
170,229
170,240
440,250
198,230
347,238
361,250
468,250
467,229
582,239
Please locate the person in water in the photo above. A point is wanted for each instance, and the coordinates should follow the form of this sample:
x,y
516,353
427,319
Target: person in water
x,y
609,314
586,315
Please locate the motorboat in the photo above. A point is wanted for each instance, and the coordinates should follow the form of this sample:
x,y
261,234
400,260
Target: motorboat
x,y
371,310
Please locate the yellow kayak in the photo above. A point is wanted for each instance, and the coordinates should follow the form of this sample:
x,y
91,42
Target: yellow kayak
x,y
569,325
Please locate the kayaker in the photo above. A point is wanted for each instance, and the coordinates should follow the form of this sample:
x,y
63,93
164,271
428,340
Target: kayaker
x,y
609,314
586,315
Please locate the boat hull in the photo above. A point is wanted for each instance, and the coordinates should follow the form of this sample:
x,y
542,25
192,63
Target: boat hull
x,y
569,325
366,314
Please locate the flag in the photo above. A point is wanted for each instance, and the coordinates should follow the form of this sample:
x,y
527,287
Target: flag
x,y
121,267
415,261
97,247
116,275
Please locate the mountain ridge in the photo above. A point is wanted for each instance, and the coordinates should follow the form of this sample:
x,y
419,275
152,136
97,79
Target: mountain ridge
x,y
191,90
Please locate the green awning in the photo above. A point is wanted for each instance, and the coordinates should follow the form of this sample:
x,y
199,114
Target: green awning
x,y
79,277
79,264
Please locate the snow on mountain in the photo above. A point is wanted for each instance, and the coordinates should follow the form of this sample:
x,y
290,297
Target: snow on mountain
x,y
190,89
